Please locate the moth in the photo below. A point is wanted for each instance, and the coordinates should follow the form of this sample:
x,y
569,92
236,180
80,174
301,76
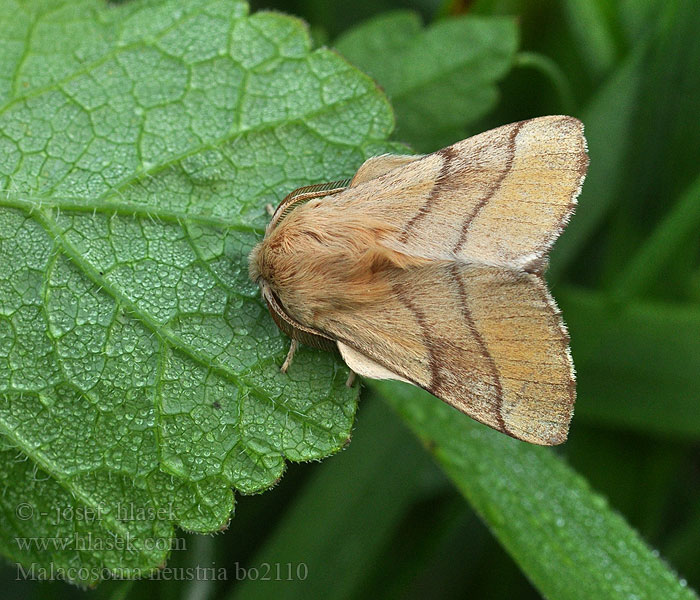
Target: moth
x,y
429,270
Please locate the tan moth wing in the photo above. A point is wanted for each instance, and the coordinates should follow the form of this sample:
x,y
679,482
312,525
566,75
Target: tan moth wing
x,y
487,340
379,165
501,197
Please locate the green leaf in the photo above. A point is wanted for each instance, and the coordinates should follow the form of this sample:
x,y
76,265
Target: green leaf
x,y
439,79
139,370
565,537
356,505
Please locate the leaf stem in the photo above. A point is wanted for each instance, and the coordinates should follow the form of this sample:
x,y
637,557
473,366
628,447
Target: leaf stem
x,y
552,71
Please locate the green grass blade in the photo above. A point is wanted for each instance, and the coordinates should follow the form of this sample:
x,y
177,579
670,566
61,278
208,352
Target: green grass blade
x,y
592,34
681,223
608,121
637,362
564,536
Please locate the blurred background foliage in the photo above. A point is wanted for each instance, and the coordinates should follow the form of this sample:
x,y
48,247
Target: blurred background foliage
x,y
381,520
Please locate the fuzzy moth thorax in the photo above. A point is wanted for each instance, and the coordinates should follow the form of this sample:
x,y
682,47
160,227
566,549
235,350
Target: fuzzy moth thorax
x,y
322,257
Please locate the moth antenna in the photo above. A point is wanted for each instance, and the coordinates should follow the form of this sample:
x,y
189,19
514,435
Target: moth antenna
x,y
290,355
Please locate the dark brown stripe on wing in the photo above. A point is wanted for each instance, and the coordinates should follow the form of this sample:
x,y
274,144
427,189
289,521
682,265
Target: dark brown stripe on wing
x,y
435,376
483,349
492,190
447,155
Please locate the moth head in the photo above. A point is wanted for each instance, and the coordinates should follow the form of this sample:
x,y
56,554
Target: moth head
x,y
261,269
259,259
275,260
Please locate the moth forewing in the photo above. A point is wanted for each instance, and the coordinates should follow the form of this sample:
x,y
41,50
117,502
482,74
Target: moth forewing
x,y
428,270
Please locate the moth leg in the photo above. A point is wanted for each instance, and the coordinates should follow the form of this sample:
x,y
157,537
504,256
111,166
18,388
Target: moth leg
x,y
290,355
351,379
270,209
